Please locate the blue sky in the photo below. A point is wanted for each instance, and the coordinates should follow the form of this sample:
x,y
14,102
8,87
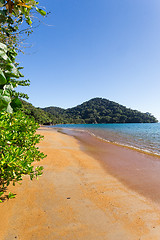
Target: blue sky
x,y
96,48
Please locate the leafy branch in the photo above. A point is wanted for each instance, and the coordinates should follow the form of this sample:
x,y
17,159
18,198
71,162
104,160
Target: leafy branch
x,y
18,136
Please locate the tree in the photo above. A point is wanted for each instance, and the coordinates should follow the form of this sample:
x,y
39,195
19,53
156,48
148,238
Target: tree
x,y
17,131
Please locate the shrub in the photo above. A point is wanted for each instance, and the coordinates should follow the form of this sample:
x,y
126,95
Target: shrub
x,y
18,149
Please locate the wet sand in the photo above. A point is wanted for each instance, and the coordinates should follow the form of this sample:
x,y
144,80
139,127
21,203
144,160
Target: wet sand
x,y
82,196
137,170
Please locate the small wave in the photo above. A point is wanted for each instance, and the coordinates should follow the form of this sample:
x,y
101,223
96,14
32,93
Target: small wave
x,y
121,138
130,146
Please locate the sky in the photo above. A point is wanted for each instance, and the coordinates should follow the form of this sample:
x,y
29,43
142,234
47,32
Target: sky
x,y
95,48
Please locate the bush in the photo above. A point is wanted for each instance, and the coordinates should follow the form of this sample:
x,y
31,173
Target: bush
x,y
18,149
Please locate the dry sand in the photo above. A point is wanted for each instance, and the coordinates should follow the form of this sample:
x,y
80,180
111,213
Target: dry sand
x,y
76,199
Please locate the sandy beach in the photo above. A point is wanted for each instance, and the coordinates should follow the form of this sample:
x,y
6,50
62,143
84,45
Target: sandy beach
x,y
82,197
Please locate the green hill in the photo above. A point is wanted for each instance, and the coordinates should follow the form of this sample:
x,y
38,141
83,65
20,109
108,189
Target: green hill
x,y
96,110
99,110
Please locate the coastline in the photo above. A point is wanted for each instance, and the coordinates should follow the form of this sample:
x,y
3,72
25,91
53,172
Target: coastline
x,y
138,170
76,198
117,143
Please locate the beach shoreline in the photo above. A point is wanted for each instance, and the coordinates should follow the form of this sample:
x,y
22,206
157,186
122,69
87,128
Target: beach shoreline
x,y
71,131
138,170
76,198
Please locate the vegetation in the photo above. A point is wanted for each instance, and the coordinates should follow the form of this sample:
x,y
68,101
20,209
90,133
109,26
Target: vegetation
x,y
39,115
18,149
17,131
57,116
100,110
96,110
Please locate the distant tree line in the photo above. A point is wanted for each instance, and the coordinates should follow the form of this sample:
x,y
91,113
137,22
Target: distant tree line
x,y
96,110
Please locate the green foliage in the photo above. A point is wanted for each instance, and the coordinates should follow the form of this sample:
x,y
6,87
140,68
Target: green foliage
x,y
18,8
96,110
18,148
46,118
11,195
18,136
12,15
99,110
9,74
39,115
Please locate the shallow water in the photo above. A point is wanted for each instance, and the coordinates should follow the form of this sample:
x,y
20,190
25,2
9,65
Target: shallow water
x,y
144,136
137,170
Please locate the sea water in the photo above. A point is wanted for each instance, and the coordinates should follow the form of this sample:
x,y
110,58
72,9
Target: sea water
x,y
143,136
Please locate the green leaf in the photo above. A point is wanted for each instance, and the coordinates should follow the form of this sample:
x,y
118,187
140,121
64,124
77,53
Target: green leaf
x,y
1,193
8,87
9,109
5,99
14,73
2,78
42,12
11,195
29,21
20,74
3,55
16,104
5,93
12,52
3,46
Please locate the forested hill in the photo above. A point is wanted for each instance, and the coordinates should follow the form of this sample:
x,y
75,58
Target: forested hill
x,y
98,110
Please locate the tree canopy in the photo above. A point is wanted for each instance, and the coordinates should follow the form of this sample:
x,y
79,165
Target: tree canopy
x,y
96,110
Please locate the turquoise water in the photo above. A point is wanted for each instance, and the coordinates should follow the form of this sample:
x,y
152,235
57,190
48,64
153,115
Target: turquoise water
x,y
144,136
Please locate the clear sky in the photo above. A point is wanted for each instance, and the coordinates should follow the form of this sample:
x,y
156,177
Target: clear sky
x,y
96,48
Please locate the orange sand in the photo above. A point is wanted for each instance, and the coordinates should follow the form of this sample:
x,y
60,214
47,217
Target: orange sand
x,y
76,199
